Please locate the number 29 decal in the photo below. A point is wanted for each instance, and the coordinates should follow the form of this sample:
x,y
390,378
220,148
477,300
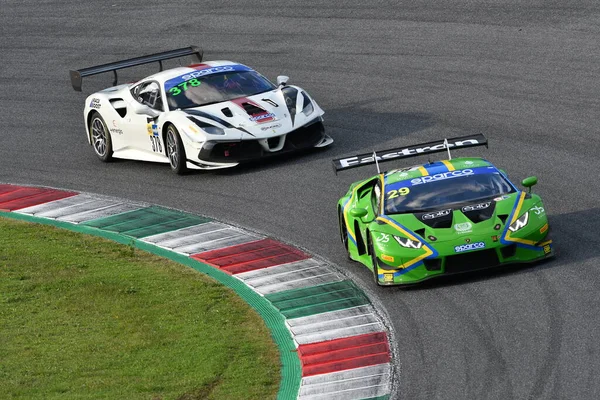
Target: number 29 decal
x,y
392,194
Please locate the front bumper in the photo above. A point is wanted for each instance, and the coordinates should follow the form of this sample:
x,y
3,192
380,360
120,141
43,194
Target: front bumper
x,y
234,152
464,262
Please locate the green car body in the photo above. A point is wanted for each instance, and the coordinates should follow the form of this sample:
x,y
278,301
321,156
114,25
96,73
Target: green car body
x,y
448,236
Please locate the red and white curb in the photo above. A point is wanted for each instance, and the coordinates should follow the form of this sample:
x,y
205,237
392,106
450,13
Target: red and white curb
x,y
341,340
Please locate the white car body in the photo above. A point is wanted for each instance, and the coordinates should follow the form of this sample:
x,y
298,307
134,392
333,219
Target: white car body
x,y
137,130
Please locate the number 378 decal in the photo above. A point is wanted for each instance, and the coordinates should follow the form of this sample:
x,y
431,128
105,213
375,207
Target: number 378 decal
x,y
392,194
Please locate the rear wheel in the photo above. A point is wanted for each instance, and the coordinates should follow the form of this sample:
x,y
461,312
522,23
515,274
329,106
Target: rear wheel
x,y
100,138
175,151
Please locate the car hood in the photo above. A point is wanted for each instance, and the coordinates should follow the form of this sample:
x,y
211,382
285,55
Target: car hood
x,y
475,218
259,116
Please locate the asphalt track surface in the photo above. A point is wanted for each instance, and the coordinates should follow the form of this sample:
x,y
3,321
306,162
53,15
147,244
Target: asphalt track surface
x,y
525,73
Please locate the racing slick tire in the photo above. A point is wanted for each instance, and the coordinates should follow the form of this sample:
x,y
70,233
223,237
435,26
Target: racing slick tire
x,y
175,151
344,232
100,137
374,261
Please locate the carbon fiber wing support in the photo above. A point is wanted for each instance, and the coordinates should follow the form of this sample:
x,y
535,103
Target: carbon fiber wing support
x,y
340,164
78,75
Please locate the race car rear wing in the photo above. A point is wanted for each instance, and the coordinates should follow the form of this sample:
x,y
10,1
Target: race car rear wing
x,y
437,146
77,76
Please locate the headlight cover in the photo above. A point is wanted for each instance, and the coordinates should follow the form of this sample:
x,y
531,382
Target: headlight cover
x,y
520,223
214,130
408,243
307,105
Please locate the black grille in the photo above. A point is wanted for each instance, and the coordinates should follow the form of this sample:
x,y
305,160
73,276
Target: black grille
x,y
231,152
434,264
273,142
307,136
508,251
251,109
471,261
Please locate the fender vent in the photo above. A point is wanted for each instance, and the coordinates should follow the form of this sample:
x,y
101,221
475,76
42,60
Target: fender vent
x,y
420,232
119,106
503,218
227,112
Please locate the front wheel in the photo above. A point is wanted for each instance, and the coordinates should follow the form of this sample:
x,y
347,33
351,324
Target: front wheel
x,y
344,232
176,151
100,138
373,260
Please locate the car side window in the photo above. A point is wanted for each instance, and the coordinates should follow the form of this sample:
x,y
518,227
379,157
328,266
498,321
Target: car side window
x,y
376,198
148,93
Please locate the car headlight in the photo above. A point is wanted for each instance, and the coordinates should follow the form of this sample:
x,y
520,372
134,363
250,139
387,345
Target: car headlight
x,y
307,106
520,223
214,130
408,243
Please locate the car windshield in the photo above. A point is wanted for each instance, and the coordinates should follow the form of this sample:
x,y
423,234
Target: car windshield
x,y
214,88
432,192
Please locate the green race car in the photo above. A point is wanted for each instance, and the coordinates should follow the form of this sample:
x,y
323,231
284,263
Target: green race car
x,y
445,217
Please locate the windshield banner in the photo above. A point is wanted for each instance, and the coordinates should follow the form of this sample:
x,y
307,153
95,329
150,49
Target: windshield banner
x,y
204,72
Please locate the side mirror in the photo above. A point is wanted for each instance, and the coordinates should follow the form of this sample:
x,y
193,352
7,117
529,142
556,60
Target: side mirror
x,y
143,109
529,182
358,212
282,80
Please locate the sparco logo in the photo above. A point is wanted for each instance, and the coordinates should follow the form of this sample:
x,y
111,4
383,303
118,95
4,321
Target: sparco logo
x,y
476,207
207,71
439,177
261,117
436,214
470,246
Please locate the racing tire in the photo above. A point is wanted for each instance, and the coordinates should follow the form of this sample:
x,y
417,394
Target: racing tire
x,y
175,151
374,261
100,137
344,232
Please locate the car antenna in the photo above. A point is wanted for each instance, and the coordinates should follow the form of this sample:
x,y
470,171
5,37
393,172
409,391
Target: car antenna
x,y
376,162
447,148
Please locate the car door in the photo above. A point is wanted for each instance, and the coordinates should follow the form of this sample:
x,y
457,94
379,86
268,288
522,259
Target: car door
x,y
141,128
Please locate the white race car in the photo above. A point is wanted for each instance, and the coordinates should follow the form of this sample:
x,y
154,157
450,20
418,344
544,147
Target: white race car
x,y
208,115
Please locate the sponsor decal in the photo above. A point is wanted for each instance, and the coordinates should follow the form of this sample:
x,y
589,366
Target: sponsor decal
x,y
436,214
547,249
476,207
544,228
116,130
152,129
442,176
208,71
388,277
258,118
463,227
409,151
468,162
538,210
495,238
500,198
385,257
95,104
383,238
469,247
270,127
203,72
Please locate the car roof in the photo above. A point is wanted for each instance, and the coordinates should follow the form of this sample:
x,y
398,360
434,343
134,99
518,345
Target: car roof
x,y
437,167
167,74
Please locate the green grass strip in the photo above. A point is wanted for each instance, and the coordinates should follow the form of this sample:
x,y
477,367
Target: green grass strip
x,y
291,372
